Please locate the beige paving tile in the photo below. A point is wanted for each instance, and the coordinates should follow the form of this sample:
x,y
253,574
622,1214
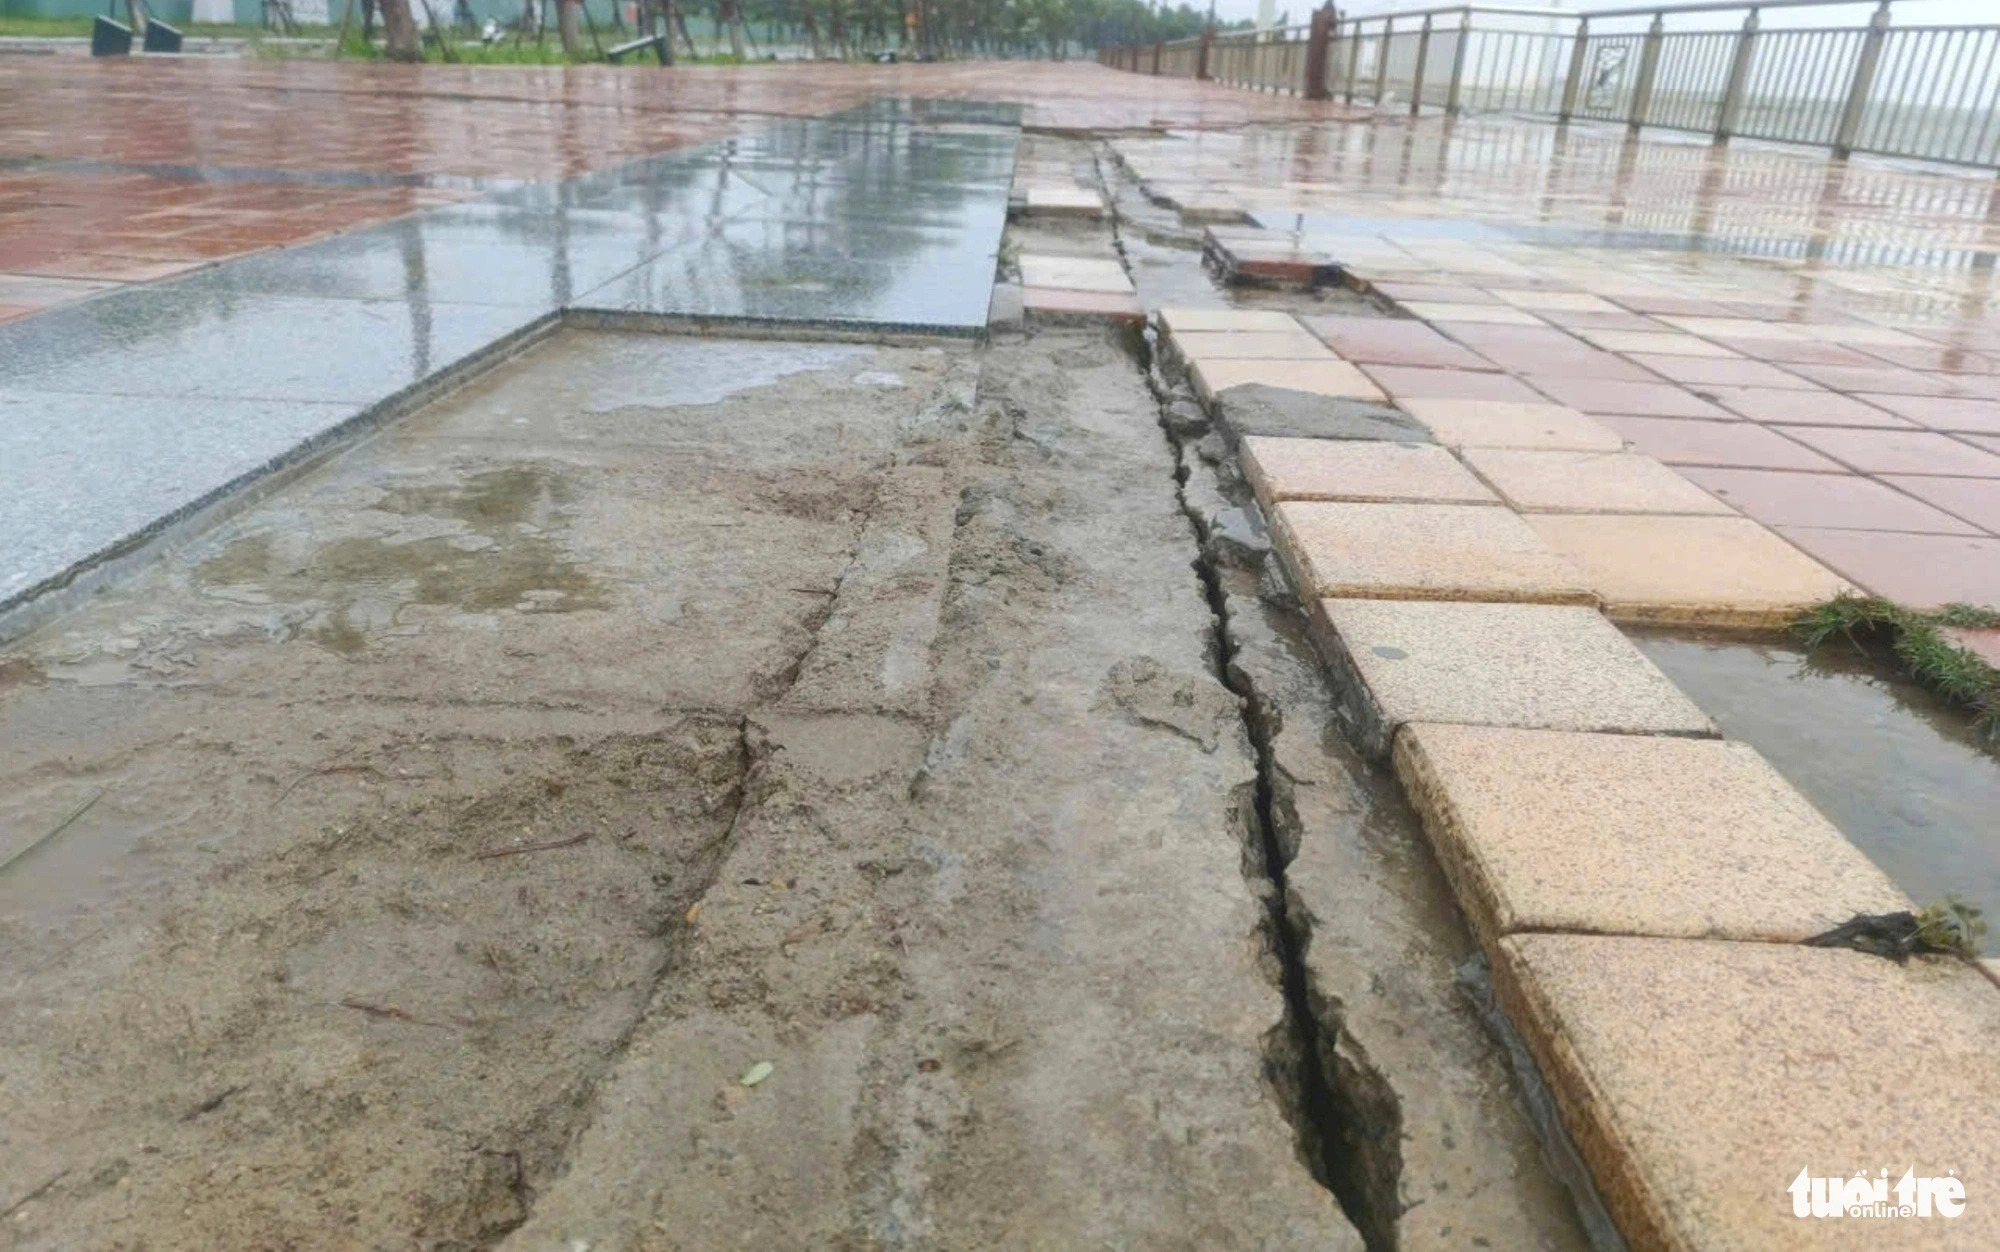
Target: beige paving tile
x,y
1500,424
1296,344
1183,320
1061,201
1630,834
1420,552
1322,378
1075,273
1699,1079
1541,666
1494,314
1695,571
1358,470
1539,481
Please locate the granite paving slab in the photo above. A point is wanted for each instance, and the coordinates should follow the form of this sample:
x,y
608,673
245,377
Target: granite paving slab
x,y
1539,666
1536,480
1701,1079
1630,834
1359,470
1420,552
1498,424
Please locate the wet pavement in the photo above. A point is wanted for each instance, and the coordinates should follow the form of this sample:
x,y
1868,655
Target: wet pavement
x,y
128,410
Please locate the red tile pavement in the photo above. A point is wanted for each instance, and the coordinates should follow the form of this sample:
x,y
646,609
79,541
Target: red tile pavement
x,y
1984,643
1924,571
1722,371
1812,408
1944,412
1843,501
1889,379
1601,396
1679,441
1797,351
1409,382
1977,500
1900,451
1392,341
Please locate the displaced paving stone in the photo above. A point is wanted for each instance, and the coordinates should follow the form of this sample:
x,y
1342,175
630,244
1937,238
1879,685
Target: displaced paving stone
x,y
1052,303
1690,571
1059,201
1630,834
1549,481
1699,1078
1326,469
1251,345
1324,378
1499,424
1257,409
1542,666
1183,320
1073,273
1420,552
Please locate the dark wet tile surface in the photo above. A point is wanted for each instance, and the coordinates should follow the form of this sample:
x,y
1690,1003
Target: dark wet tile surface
x,y
121,410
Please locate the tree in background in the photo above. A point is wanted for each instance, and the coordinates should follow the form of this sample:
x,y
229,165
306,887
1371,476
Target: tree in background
x,y
399,31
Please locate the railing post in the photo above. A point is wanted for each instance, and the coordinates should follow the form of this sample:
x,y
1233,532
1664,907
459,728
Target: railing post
x,y
1317,47
1649,64
1739,78
1158,45
1353,56
1864,82
1454,100
1201,52
1579,57
1382,61
1417,79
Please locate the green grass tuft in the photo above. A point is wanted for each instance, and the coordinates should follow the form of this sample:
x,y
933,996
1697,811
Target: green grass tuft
x,y
1919,644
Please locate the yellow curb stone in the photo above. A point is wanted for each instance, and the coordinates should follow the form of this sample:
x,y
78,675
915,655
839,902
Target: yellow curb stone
x,y
1323,378
1505,424
1357,469
1690,571
1630,834
1539,481
1420,552
1541,666
1699,1079
1180,321
1251,345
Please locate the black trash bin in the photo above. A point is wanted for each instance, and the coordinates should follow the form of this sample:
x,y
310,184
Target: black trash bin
x,y
161,37
110,39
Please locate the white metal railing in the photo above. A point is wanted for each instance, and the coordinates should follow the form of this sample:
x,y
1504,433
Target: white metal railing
x,y
1850,79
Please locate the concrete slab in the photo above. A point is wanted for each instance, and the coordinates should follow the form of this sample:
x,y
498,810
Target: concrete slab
x,y
1630,834
1499,424
1420,552
1359,470
1541,666
1320,378
1699,1079
1257,409
1691,571
1073,273
1550,481
1059,201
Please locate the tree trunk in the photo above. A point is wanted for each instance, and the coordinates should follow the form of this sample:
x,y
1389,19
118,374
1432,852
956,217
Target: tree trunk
x,y
399,31
567,27
135,17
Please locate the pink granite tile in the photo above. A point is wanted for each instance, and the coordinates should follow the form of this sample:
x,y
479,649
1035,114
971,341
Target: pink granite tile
x,y
1724,371
1797,351
1845,501
1608,395
1944,412
1922,571
1408,381
1392,341
1984,644
1887,379
1812,408
1062,302
1977,500
1899,451
1681,441
1945,360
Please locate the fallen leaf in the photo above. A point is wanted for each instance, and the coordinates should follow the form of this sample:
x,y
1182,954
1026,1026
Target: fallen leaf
x,y
757,1073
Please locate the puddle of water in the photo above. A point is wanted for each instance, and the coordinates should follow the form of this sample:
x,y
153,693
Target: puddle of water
x,y
509,560
1888,762
673,373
